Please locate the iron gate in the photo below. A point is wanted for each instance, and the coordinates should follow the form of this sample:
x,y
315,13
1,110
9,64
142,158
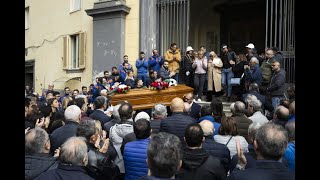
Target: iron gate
x,y
280,32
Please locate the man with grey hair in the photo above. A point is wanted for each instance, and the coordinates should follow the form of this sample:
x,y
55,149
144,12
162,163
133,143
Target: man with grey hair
x,y
254,106
252,72
37,157
254,90
270,144
241,119
221,151
73,159
72,115
159,166
159,112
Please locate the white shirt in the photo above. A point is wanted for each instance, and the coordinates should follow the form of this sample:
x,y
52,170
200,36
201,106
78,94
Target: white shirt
x,y
223,139
259,117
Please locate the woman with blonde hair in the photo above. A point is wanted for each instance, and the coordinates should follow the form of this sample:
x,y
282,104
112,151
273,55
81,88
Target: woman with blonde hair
x,y
214,75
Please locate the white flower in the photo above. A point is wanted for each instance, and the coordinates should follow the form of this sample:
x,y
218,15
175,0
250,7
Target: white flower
x,y
122,86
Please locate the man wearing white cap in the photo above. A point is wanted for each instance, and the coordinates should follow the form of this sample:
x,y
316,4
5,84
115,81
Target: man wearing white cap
x,y
188,73
249,50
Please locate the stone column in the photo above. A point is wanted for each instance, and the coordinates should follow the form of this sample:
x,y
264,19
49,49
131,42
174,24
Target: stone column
x,y
108,34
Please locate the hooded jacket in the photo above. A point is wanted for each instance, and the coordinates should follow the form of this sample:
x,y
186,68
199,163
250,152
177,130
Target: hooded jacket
x,y
117,133
197,164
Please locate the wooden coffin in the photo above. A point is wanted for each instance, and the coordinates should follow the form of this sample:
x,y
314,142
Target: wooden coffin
x,y
147,98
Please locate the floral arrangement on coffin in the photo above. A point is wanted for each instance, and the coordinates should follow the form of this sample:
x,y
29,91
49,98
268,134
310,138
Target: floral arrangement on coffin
x,y
118,88
159,84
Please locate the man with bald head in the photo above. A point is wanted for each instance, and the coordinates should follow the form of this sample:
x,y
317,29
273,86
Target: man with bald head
x,y
276,88
281,116
213,148
178,121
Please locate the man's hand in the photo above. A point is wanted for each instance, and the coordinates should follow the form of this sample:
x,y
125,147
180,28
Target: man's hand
x,y
242,160
56,152
40,123
232,62
187,73
26,130
105,146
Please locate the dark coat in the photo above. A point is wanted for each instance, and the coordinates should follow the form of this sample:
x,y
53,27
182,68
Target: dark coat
x,y
197,164
99,164
243,123
195,110
264,170
176,124
109,124
153,178
101,116
164,74
266,104
65,172
60,135
218,150
277,83
35,164
155,126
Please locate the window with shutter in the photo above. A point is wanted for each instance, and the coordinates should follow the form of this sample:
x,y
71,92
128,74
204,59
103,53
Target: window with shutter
x,y
65,52
82,51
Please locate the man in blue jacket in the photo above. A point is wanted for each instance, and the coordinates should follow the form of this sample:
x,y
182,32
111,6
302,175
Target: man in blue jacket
x,y
155,61
142,66
135,152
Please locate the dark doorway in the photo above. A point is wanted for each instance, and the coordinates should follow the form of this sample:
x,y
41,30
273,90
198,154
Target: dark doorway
x,y
29,73
232,22
243,22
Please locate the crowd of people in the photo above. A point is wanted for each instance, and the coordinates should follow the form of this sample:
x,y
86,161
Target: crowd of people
x,y
80,135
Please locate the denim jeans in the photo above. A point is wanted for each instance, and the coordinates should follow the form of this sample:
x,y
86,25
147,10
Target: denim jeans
x,y
227,74
144,78
276,101
199,80
176,77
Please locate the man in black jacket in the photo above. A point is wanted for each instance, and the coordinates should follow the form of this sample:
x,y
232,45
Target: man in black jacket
x,y
213,148
277,84
37,157
196,162
178,121
72,115
99,164
100,104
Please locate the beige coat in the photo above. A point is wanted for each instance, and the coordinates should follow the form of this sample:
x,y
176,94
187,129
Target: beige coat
x,y
214,75
174,60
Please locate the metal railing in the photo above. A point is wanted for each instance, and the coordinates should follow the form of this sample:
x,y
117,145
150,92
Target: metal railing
x,y
280,32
